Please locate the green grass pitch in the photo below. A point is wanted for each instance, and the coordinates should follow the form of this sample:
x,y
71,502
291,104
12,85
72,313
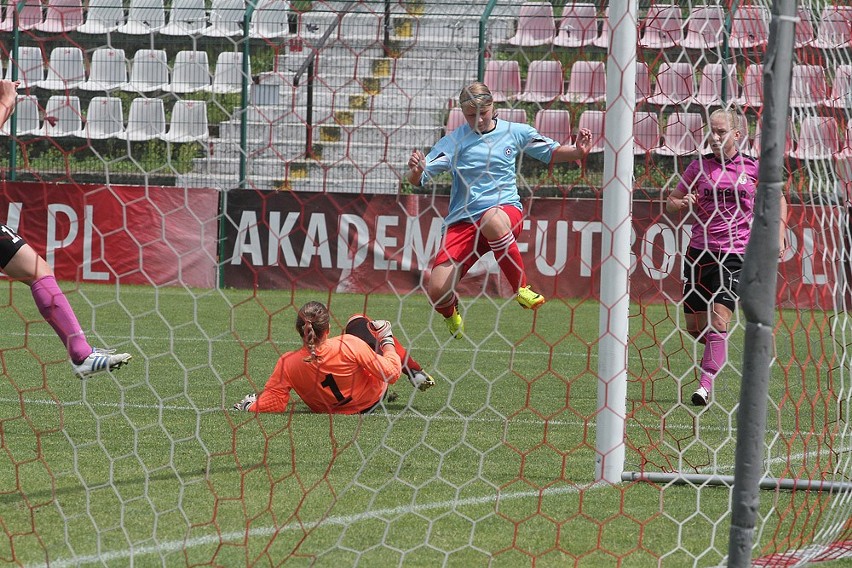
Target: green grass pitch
x,y
492,467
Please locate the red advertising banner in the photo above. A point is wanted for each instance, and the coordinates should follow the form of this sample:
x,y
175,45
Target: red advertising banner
x,y
134,235
357,243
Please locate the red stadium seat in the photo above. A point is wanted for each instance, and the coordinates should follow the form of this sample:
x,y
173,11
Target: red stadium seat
x,y
710,86
750,27
817,139
683,135
752,93
503,78
555,124
841,88
594,121
705,28
544,82
662,27
535,25
809,86
646,132
834,30
578,26
586,83
675,85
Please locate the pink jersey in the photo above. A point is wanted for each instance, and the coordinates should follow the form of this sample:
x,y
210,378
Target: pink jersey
x,y
724,206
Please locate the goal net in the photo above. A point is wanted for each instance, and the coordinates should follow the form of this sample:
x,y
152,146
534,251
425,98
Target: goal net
x,y
194,172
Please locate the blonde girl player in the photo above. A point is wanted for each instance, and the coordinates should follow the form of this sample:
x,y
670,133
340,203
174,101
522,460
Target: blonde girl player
x,y
20,262
485,212
346,374
718,191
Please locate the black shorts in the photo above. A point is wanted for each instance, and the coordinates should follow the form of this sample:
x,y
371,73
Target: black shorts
x,y
10,243
357,326
710,278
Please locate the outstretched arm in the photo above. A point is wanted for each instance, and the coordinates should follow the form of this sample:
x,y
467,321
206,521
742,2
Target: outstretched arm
x,y
8,96
572,153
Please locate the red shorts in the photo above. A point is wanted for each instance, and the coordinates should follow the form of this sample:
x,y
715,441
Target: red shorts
x,y
464,244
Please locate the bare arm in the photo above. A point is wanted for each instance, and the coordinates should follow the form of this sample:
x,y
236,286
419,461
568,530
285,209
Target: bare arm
x,y
8,96
416,165
678,200
573,153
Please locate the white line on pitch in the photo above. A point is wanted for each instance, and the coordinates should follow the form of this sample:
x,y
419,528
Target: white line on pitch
x,y
343,520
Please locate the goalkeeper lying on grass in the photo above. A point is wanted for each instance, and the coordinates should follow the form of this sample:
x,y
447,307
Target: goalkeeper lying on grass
x,y
346,374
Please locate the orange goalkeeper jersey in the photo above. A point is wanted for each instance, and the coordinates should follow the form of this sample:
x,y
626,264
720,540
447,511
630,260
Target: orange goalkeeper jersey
x,y
348,377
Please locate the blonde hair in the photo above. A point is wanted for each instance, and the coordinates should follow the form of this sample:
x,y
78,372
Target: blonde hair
x,y
736,120
312,323
475,95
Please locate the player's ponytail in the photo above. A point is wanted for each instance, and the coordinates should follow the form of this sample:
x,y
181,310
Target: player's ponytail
x,y
312,323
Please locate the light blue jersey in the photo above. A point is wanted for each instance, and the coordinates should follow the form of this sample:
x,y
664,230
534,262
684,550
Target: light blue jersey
x,y
484,166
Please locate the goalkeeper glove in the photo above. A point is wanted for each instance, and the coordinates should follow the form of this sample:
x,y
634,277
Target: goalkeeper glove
x,y
381,330
246,403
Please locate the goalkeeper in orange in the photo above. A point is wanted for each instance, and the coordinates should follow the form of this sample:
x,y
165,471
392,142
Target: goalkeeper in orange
x,y
345,374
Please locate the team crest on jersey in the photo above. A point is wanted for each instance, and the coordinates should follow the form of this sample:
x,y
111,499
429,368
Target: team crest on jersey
x,y
743,179
508,151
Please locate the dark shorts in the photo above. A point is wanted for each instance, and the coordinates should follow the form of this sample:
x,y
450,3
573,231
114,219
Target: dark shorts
x,y
710,278
10,243
357,326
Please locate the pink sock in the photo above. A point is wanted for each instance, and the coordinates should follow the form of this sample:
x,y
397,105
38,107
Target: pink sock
x,y
56,311
715,356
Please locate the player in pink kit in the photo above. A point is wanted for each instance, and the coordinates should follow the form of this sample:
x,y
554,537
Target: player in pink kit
x,y
19,261
718,190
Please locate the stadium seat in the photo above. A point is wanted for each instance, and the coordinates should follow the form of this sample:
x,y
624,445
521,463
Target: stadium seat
x,y
149,72
834,30
62,16
683,135
809,87
62,116
188,122
30,65
187,18
555,124
146,120
817,138
754,149
65,70
578,26
750,27
503,78
594,121
674,86
27,117
805,32
226,18
30,16
228,77
544,82
144,17
842,166
752,91
841,88
191,72
108,70
269,20
454,120
662,27
104,119
586,82
518,115
710,86
646,132
643,82
704,28
602,41
103,17
535,25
